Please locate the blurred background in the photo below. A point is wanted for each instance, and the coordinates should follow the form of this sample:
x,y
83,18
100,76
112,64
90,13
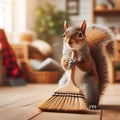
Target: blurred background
x,y
22,15
34,29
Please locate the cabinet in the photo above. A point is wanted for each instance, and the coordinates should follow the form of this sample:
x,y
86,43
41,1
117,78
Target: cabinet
x,y
114,64
3,80
103,11
113,73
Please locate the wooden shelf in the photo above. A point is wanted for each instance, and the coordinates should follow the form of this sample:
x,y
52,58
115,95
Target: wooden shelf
x,y
112,12
117,75
103,12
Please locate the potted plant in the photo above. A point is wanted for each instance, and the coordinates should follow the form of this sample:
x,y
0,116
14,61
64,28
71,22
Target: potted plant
x,y
117,71
49,22
117,66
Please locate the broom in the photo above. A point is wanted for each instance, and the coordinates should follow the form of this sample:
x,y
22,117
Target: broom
x,y
68,98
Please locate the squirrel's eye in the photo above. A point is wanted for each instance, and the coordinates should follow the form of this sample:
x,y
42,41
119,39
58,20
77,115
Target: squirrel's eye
x,y
80,35
63,35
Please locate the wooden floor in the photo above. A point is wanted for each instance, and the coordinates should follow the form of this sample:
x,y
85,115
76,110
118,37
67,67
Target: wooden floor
x,y
20,103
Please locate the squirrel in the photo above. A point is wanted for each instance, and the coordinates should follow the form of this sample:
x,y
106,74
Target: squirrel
x,y
92,46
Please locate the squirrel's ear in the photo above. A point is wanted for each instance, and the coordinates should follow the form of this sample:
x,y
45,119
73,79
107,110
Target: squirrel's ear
x,y
65,25
83,26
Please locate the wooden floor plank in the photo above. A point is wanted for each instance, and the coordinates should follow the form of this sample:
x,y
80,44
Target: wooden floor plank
x,y
111,95
20,103
67,116
20,113
110,100
25,108
110,103
111,112
11,95
23,103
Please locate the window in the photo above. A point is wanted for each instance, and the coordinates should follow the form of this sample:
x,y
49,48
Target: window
x,y
6,15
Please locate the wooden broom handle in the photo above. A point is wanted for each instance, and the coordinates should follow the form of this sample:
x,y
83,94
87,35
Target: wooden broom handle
x,y
74,54
70,86
72,70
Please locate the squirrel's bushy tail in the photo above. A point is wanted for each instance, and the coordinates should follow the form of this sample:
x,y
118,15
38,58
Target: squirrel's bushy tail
x,y
101,45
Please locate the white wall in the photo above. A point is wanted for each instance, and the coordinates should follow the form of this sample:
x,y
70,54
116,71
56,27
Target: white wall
x,y
85,10
31,6
19,18
19,15
85,13
24,13
23,16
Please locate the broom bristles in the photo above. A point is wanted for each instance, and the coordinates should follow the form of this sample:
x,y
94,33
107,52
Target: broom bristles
x,y
65,103
68,98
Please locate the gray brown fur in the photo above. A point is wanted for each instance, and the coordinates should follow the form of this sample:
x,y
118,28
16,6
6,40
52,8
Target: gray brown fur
x,y
98,54
98,38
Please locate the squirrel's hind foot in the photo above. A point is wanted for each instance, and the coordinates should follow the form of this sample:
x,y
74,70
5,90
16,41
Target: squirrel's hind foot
x,y
94,107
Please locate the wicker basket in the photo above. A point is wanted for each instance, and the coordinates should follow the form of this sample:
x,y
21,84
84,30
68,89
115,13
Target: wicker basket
x,y
39,76
26,37
23,55
21,51
117,4
46,76
25,51
34,53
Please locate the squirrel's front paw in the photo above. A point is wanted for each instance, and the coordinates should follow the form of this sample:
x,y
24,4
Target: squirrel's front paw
x,y
71,62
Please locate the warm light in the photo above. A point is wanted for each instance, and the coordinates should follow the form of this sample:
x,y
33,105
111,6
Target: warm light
x,y
6,14
0,46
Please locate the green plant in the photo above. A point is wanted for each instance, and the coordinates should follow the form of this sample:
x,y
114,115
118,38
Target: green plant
x,y
49,22
117,66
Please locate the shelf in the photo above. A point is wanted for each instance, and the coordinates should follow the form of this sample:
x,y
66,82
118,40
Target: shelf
x,y
117,75
112,12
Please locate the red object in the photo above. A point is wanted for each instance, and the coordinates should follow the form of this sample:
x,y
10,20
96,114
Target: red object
x,y
9,59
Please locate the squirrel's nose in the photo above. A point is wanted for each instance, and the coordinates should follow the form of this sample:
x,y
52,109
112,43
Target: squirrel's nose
x,y
70,42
